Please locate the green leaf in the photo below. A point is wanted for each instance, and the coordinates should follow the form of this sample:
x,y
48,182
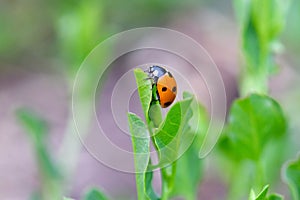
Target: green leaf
x,y
37,129
253,121
155,115
141,144
242,10
261,23
275,197
95,194
260,26
186,184
144,89
168,137
269,18
34,125
251,47
261,196
199,121
292,175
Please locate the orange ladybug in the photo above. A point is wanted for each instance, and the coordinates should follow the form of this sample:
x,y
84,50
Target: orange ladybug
x,y
165,84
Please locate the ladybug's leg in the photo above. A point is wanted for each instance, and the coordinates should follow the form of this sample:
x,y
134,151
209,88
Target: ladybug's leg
x,y
149,78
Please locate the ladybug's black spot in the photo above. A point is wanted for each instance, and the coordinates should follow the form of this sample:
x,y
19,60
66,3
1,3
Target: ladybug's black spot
x,y
170,74
174,89
164,89
167,104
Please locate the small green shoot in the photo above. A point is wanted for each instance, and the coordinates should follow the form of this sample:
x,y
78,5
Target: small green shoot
x,y
171,136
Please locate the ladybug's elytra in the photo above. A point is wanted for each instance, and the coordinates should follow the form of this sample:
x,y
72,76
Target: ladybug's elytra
x,y
166,87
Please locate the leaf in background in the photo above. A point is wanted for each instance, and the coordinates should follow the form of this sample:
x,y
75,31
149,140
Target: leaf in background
x,y
292,176
144,89
275,197
253,121
251,47
168,137
95,194
261,196
269,18
66,198
141,144
262,22
34,125
242,10
37,129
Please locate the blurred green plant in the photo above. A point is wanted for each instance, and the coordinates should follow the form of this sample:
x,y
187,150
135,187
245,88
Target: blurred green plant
x,y
256,127
261,23
51,177
94,194
263,195
292,175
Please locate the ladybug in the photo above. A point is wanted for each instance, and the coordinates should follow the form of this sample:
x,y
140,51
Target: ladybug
x,y
164,84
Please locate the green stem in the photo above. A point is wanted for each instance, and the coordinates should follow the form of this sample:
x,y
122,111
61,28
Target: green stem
x,y
165,184
155,119
254,82
168,177
260,174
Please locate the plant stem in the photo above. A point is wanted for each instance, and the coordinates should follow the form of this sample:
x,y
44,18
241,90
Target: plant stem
x,y
165,185
254,82
155,119
260,180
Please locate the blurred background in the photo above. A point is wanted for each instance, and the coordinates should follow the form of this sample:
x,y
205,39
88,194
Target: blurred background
x,y
43,43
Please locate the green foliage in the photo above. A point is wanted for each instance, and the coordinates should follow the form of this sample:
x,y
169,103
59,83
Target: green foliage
x,y
253,142
263,195
94,194
256,129
168,137
141,144
186,184
256,124
253,122
261,23
171,137
79,28
37,129
155,115
292,173
34,125
144,89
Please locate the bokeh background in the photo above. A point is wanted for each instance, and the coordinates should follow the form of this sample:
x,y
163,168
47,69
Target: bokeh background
x,y
43,43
